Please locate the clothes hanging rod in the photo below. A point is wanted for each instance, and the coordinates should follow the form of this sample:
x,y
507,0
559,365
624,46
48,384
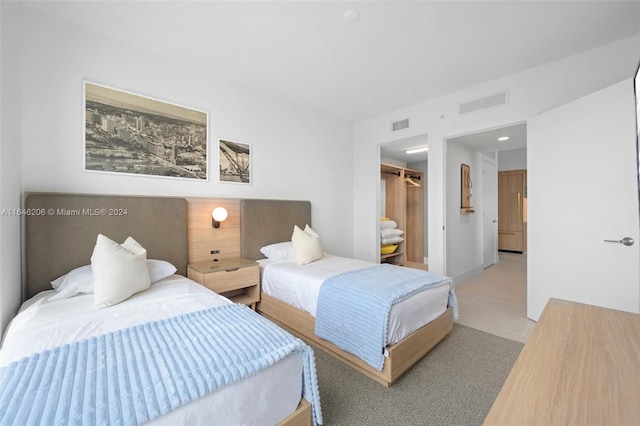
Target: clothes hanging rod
x,y
398,174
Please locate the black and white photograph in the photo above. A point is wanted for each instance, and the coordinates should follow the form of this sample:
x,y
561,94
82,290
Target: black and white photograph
x,y
133,134
235,162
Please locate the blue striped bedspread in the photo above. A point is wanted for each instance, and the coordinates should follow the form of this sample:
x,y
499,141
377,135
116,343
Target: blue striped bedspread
x,y
353,307
134,375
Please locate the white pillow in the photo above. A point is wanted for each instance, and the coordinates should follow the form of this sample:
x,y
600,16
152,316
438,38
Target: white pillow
x,y
391,240
80,280
159,269
391,232
310,231
119,271
306,246
388,224
279,251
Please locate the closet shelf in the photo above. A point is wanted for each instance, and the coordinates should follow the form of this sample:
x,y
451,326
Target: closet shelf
x,y
395,253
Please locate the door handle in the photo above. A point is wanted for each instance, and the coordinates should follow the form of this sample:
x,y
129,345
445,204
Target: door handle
x,y
627,241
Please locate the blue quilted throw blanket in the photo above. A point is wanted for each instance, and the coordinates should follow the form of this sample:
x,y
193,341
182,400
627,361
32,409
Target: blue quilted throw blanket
x,y
353,307
134,375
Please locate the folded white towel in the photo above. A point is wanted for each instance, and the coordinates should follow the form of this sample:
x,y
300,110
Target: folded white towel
x,y
388,224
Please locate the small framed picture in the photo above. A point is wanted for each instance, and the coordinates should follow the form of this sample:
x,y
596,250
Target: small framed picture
x,y
234,162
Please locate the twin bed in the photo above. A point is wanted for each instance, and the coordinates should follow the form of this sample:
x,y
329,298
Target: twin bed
x,y
169,377
168,337
290,292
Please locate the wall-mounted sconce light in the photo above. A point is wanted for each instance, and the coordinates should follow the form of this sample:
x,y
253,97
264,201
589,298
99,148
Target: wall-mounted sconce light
x,y
219,214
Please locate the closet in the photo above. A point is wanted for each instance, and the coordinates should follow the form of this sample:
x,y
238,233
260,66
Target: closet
x,y
512,188
404,191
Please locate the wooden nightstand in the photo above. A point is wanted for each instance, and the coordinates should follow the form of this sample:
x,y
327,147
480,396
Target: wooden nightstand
x,y
238,279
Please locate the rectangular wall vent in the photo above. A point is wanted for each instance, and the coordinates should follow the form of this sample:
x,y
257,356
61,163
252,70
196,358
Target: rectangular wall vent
x,y
399,125
483,103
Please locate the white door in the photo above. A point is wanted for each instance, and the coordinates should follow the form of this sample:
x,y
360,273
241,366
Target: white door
x,y
583,189
489,212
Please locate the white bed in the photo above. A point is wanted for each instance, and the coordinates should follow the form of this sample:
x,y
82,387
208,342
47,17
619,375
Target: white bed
x,y
299,285
56,244
42,324
270,223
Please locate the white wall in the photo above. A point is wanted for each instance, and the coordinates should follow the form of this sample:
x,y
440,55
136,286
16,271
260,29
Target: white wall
x,y
10,175
512,159
464,230
530,92
296,153
583,188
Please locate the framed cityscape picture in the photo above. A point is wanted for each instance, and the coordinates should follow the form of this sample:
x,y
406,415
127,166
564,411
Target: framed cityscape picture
x,y
137,135
234,162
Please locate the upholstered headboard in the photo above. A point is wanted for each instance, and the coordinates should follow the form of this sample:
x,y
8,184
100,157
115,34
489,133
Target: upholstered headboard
x,y
265,222
63,233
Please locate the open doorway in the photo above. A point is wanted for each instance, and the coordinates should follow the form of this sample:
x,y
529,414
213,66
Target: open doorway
x,y
491,284
487,152
409,157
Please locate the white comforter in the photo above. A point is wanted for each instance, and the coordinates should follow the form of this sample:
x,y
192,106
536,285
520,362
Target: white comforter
x,y
299,285
42,324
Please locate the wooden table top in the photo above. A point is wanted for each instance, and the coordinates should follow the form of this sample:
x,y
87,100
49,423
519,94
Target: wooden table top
x,y
580,366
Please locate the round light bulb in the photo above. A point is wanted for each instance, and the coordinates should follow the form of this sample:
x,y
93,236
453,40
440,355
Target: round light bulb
x,y
219,214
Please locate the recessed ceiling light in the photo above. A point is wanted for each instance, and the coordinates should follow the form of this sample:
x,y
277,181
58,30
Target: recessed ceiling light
x,y
416,150
503,138
351,16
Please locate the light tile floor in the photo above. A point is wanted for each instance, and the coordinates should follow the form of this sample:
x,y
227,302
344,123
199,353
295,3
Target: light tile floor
x,y
496,300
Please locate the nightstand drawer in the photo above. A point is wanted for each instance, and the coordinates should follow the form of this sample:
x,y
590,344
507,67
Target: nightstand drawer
x,y
236,278
223,281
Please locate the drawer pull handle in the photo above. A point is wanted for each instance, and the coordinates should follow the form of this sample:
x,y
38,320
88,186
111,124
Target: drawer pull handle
x,y
232,270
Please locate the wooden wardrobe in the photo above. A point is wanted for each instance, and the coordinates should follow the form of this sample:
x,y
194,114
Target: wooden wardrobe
x,y
404,203
512,187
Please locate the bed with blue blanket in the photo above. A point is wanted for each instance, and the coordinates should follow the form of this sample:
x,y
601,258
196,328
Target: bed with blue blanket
x,y
202,357
379,319
173,353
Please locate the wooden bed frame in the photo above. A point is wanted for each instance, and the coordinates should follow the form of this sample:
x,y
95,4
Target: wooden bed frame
x,y
271,221
64,236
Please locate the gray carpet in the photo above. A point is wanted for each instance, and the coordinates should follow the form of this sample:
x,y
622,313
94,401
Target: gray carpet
x,y
455,384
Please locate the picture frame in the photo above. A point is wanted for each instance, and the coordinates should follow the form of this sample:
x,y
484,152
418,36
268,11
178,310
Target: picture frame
x,y
465,189
234,162
127,133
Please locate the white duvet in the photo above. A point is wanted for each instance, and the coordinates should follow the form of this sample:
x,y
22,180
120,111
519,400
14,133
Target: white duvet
x,y
41,324
299,285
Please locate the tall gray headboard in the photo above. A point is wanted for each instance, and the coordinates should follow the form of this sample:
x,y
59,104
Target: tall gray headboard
x,y
265,222
63,237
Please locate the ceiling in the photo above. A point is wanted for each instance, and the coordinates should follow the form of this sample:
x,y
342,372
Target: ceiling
x,y
484,141
396,150
487,141
398,54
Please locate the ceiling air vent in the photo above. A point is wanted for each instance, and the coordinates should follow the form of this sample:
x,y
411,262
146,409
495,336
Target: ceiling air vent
x,y
399,125
483,103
